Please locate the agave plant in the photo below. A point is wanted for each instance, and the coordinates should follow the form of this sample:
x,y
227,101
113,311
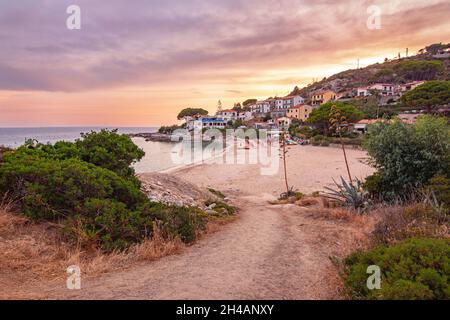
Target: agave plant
x,y
351,195
289,193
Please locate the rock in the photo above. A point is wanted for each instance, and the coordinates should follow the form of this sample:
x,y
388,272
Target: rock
x,y
171,190
212,206
211,212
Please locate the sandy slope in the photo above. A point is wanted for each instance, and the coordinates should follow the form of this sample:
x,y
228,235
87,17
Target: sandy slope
x,y
270,252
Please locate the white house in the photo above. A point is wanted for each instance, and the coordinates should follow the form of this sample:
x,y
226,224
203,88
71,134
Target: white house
x,y
245,116
386,89
363,92
260,107
291,101
207,123
284,122
409,86
227,115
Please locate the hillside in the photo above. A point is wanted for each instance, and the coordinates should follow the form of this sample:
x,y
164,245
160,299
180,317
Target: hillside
x,y
423,66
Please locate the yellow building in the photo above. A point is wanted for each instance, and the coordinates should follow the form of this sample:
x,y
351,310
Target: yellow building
x,y
293,112
321,97
300,112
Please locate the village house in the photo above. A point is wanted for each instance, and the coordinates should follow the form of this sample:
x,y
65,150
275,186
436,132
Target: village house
x,y
362,125
291,101
206,122
277,113
245,116
386,89
363,92
300,112
227,115
402,88
323,96
284,122
260,107
293,112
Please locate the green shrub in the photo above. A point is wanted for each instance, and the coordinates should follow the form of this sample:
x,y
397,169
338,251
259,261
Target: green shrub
x,y
407,156
110,150
374,185
413,269
439,185
106,149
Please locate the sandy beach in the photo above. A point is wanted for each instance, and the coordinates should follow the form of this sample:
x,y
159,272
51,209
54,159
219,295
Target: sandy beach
x,y
309,169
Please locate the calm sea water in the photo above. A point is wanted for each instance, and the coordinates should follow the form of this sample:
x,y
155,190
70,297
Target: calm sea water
x,y
157,154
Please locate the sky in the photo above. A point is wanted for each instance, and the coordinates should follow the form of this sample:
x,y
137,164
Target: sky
x,y
139,62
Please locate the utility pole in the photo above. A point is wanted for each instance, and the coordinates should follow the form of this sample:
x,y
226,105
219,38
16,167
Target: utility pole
x,y
358,64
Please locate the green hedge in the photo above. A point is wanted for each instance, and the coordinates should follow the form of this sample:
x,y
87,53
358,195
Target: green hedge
x,y
412,269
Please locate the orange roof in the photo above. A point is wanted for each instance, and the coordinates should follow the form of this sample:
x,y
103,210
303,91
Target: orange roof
x,y
371,121
228,110
296,107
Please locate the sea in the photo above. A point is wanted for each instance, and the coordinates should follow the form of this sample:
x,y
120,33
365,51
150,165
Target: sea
x,y
158,155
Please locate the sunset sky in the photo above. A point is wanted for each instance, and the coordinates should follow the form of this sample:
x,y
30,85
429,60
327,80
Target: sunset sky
x,y
138,62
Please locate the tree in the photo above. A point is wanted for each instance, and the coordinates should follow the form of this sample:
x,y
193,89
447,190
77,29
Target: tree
x,y
412,70
249,102
320,117
339,123
429,95
191,112
436,47
407,156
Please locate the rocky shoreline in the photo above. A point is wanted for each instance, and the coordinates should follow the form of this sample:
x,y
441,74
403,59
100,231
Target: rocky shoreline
x,y
160,137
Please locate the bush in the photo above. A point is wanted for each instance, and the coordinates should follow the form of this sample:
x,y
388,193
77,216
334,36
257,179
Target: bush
x,y
439,186
418,220
97,205
407,156
110,150
413,269
106,149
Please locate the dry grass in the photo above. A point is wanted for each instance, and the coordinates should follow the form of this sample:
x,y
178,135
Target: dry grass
x,y
34,253
397,223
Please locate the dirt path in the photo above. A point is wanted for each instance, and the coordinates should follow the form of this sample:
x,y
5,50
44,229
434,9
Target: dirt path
x,y
269,253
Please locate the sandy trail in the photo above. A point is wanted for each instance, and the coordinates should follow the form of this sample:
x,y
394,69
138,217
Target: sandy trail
x,y
270,252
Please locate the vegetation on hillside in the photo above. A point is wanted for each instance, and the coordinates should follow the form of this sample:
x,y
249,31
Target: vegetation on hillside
x,y
430,95
419,67
321,116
